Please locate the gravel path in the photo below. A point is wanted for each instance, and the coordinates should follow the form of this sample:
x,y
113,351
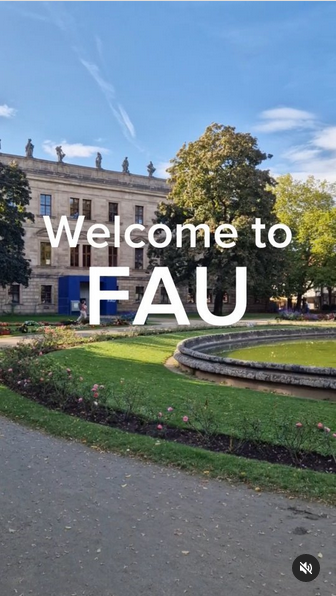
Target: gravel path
x,y
77,522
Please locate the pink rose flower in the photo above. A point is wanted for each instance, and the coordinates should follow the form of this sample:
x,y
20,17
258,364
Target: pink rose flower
x,y
68,370
327,430
160,414
170,409
41,379
185,419
80,400
334,435
320,425
96,394
10,370
159,426
298,424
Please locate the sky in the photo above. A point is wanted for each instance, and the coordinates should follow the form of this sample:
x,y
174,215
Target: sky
x,y
139,79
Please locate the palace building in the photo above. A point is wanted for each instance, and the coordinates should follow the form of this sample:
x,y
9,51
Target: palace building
x,y
60,276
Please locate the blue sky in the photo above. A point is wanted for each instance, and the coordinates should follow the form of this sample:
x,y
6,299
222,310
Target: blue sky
x,y
141,78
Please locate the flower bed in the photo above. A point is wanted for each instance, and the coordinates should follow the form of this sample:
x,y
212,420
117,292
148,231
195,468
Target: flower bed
x,y
124,405
292,315
5,331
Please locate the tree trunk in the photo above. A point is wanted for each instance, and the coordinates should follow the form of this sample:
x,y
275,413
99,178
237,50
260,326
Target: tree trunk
x,y
330,295
299,302
321,299
218,303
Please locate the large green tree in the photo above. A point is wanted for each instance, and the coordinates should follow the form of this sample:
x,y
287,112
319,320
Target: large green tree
x,y
14,199
308,208
217,179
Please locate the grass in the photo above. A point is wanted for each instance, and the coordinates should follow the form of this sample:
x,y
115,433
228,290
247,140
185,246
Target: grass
x,y
258,475
195,316
309,352
49,318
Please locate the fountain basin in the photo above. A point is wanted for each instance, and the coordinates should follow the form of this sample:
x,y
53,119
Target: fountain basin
x,y
195,356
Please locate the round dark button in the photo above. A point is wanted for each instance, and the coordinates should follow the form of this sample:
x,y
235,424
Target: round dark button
x,y
306,568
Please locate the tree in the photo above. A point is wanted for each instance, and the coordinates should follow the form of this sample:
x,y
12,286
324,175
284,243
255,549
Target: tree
x,y
216,180
14,198
308,208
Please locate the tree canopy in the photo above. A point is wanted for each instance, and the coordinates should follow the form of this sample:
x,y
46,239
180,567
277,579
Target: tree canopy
x,y
308,208
14,199
217,179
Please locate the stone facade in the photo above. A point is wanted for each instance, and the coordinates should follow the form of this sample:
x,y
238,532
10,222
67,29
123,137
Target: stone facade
x,y
54,186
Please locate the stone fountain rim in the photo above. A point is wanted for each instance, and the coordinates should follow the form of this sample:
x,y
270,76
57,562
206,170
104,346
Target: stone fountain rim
x,y
217,339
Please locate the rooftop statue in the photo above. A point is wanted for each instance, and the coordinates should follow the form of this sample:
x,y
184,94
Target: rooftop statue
x,y
125,166
29,148
150,169
99,161
60,154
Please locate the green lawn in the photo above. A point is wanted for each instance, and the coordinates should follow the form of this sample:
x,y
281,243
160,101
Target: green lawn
x,y
195,316
141,359
309,352
49,318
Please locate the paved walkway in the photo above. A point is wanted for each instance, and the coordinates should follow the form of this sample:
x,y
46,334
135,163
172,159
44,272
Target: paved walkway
x,y
8,341
76,522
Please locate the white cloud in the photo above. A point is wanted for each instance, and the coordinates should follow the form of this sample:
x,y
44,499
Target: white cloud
x,y
161,168
303,153
62,18
309,160
6,111
326,138
108,91
127,121
104,86
285,113
322,169
72,149
280,119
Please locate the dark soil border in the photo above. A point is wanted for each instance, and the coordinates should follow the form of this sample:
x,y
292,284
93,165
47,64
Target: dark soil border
x,y
219,443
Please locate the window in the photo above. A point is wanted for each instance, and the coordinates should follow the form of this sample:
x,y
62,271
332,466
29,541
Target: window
x,y
87,208
113,211
139,214
112,256
74,256
14,291
164,296
138,261
45,204
46,292
74,208
45,253
139,292
86,255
